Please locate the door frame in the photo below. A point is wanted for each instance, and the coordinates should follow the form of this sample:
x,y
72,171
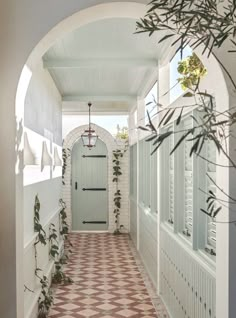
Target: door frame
x,y
74,193
111,145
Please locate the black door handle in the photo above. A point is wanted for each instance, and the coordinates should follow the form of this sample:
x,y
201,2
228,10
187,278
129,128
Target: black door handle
x,y
76,185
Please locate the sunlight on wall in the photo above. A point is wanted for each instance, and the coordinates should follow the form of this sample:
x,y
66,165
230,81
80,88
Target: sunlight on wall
x,y
20,104
35,173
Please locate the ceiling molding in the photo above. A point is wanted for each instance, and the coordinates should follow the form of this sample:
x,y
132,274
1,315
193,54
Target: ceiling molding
x,y
95,63
105,98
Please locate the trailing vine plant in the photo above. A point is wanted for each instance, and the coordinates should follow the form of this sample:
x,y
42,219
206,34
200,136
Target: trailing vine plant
x,y
45,299
209,24
117,172
64,232
58,277
66,153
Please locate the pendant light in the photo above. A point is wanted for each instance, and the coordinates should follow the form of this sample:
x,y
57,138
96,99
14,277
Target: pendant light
x,y
89,136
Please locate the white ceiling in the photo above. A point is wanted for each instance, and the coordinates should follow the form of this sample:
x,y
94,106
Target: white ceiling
x,y
106,63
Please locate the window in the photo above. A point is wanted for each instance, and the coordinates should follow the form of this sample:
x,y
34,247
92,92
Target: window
x,y
185,187
175,88
150,102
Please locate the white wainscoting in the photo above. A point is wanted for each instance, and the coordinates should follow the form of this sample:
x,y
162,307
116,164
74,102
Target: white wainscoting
x,y
148,242
47,265
187,282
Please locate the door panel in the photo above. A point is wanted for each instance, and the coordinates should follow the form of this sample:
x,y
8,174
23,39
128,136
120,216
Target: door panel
x,y
89,187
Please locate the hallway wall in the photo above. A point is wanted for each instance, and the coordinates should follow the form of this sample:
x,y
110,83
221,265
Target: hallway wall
x,y
43,123
165,205
143,216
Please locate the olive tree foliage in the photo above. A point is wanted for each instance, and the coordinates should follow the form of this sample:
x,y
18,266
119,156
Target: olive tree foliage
x,y
210,25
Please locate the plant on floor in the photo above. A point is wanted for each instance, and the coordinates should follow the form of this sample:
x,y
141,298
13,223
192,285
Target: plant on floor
x,y
117,157
58,277
66,153
45,299
189,23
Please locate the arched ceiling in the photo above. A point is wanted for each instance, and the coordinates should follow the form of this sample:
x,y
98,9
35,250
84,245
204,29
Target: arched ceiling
x,y
106,63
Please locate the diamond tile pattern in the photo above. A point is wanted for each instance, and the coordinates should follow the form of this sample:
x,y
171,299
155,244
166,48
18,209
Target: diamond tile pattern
x,y
107,281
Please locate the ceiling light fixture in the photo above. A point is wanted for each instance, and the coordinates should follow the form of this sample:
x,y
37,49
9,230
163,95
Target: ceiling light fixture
x,y
89,136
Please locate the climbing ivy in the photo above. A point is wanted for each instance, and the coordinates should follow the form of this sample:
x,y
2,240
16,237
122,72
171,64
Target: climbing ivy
x,y
45,299
59,277
41,237
64,231
65,155
117,172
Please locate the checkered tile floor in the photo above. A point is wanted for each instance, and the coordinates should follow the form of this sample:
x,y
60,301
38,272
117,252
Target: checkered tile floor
x,y
107,281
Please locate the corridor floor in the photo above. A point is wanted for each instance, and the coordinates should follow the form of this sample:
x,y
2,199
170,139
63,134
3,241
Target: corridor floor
x,y
109,281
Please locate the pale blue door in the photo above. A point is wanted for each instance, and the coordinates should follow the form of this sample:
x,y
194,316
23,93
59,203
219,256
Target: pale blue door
x,y
89,187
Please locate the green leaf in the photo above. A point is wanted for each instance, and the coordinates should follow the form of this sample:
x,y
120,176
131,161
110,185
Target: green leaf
x,y
188,94
180,141
179,117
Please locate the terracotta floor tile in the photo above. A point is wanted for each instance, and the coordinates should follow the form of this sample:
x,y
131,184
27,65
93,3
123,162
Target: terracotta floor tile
x,y
109,281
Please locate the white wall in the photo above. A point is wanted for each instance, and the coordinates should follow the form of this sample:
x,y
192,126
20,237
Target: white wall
x,y
43,122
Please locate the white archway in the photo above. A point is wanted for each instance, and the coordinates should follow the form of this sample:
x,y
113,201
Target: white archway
x,y
83,17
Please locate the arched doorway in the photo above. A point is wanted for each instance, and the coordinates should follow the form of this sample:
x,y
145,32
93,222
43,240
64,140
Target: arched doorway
x,y
34,59
89,187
